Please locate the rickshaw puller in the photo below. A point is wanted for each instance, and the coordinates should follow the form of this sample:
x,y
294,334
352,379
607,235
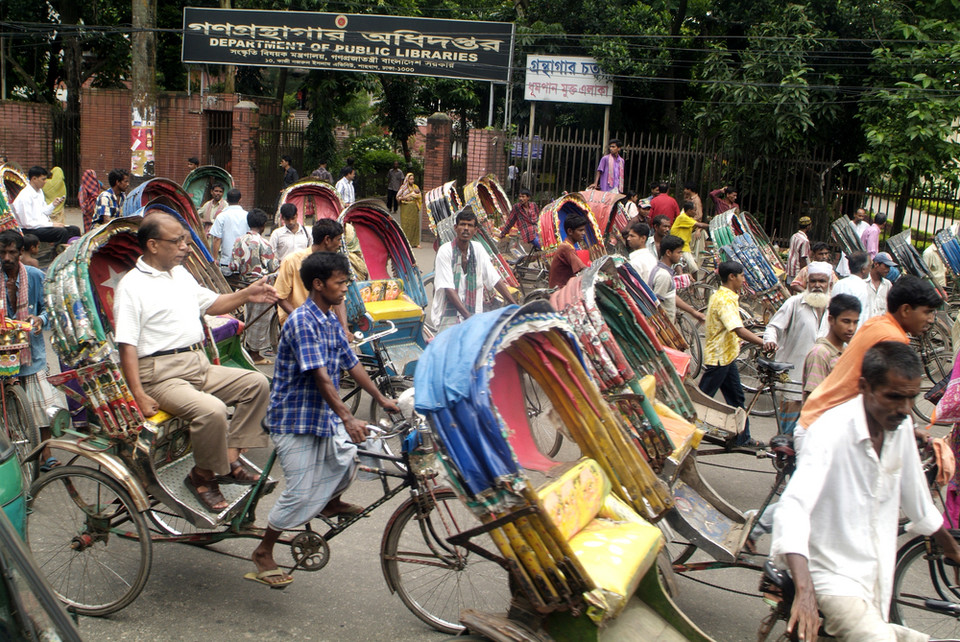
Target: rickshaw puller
x,y
159,334
309,424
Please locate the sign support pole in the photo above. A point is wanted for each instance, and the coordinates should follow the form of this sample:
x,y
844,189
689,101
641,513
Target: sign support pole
x,y
490,114
529,182
606,127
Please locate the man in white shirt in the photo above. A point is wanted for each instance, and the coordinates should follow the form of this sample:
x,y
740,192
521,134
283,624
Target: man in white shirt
x,y
878,286
32,212
229,226
793,330
836,525
344,186
931,258
462,270
159,335
290,236
855,285
642,257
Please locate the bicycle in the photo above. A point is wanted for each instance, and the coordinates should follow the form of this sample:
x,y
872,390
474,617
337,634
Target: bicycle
x,y
935,349
21,426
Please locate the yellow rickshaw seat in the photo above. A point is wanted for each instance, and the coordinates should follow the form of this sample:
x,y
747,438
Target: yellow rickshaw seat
x,y
401,308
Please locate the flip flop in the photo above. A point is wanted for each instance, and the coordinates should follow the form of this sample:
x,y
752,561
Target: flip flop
x,y
49,464
261,578
263,361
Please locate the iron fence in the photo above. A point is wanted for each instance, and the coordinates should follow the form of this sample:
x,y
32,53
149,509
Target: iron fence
x,y
275,140
66,151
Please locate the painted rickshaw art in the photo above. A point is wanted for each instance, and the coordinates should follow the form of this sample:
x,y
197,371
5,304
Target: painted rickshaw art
x,y
579,550
315,200
611,219
489,200
442,203
910,260
552,218
12,182
200,181
736,243
948,247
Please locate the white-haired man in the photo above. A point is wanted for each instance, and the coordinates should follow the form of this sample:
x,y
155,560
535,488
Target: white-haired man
x,y
793,330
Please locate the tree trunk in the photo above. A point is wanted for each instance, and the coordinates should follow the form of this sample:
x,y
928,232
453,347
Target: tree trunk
x,y
900,211
230,71
405,147
669,88
143,80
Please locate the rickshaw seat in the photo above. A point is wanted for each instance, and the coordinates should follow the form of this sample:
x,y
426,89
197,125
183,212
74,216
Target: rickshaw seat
x,y
615,546
401,308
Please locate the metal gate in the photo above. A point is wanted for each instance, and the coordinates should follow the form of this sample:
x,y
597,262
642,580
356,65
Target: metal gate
x,y
275,140
220,139
66,151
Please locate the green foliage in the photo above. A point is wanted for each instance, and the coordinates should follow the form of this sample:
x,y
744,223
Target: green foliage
x,y
377,161
397,108
364,144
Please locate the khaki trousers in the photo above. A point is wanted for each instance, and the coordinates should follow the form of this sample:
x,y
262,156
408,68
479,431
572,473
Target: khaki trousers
x,y
854,619
187,385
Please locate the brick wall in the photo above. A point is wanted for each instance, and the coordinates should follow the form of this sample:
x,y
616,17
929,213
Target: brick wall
x,y
486,155
105,130
26,133
246,120
436,156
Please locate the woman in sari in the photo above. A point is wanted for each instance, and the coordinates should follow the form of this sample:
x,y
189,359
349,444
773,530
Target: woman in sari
x,y
90,189
411,204
54,188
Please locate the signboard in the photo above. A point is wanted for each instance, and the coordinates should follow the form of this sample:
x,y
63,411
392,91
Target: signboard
x,y
345,42
523,149
566,79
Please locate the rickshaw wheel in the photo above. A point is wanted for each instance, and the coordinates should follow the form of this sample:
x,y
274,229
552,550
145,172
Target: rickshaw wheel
x,y
23,430
89,540
433,578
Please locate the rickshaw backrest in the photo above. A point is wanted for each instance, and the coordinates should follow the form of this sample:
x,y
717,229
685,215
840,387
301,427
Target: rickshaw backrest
x,y
108,265
574,499
374,250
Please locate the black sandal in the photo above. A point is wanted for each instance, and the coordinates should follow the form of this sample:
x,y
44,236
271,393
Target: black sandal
x,y
209,498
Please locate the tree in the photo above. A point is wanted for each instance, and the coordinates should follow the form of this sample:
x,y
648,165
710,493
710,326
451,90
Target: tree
x,y
398,109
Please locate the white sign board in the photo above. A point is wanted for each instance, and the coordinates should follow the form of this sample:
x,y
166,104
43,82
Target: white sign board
x,y
566,79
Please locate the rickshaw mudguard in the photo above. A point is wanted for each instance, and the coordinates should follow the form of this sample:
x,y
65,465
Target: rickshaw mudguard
x,y
109,463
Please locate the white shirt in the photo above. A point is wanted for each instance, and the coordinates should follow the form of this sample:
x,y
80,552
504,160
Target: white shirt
x,y
285,242
30,208
876,298
937,269
155,310
643,261
841,508
345,190
854,286
794,328
230,225
487,276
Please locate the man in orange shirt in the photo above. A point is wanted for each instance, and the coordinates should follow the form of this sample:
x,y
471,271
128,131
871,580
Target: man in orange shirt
x,y
565,262
911,305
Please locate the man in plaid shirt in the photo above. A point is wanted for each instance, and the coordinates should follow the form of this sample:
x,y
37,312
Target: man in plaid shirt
x,y
524,215
311,428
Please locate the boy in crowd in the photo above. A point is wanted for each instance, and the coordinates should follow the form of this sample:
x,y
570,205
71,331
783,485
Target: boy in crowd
x,y
843,319
661,279
565,262
251,260
31,250
684,226
642,258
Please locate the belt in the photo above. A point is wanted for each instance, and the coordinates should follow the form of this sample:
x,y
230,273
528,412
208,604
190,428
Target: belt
x,y
164,353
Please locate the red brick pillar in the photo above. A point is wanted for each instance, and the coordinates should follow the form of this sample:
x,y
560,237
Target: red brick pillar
x,y
437,155
486,155
246,123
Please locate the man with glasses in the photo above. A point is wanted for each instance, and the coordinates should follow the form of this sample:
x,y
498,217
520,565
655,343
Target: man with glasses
x,y
157,308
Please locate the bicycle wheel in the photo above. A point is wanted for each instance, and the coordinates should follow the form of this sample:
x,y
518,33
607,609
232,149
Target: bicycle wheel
x,y
391,387
936,352
750,379
918,578
545,434
88,539
433,578
22,429
697,295
349,387
691,334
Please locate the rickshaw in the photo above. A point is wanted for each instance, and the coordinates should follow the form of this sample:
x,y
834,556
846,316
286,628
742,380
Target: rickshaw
x,y
200,181
393,290
552,234
607,208
581,551
489,200
12,182
92,521
314,199
163,191
442,203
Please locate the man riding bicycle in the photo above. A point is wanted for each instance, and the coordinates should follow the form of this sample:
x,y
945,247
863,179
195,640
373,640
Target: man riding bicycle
x,y
836,524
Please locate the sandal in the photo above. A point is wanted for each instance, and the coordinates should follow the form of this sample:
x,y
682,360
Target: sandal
x,y
209,498
748,443
238,475
263,361
49,464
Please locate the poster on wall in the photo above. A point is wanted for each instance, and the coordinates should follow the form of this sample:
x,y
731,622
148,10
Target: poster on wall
x,y
566,79
466,49
142,134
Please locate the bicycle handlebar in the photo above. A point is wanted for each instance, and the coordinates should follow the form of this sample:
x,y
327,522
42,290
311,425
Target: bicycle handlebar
x,y
373,337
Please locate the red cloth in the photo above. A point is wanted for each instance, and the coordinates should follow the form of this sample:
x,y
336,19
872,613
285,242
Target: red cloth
x,y
565,264
90,188
666,205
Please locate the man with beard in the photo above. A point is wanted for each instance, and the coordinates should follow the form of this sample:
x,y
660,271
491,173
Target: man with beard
x,y
793,330
911,306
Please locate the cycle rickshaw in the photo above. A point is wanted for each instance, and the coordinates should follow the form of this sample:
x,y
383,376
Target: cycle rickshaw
x,y
314,199
200,181
93,521
580,551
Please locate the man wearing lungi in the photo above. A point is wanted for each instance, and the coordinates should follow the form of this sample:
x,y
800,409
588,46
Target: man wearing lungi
x,y
311,427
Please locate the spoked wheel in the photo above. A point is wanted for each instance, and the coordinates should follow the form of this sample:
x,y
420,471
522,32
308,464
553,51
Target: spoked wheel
x,y
544,431
435,579
691,334
919,577
391,387
750,379
166,522
697,295
88,539
23,430
936,352
348,386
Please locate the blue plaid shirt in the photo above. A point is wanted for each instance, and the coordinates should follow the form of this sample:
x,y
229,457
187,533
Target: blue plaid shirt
x,y
310,340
